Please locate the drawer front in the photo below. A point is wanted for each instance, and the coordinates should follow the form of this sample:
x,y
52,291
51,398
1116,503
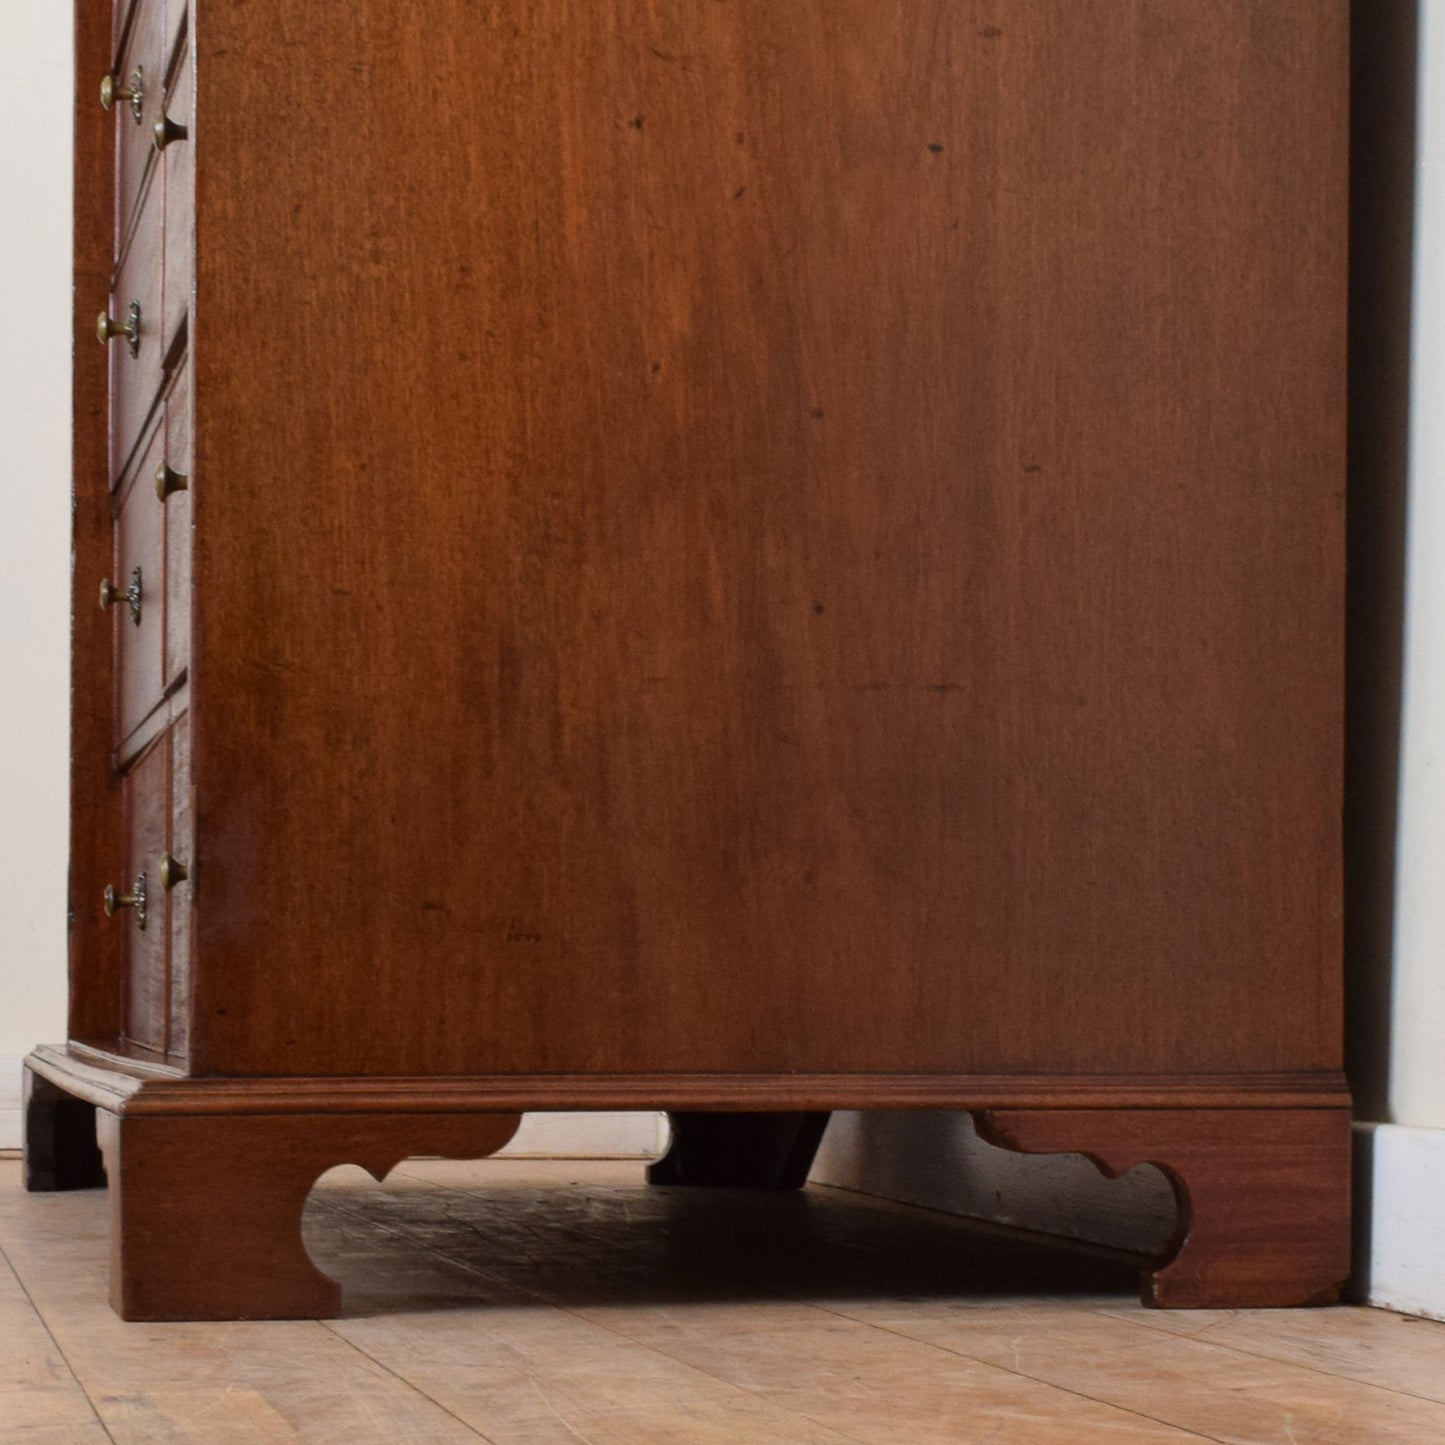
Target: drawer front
x,y
180,894
145,937
144,56
176,458
177,21
135,368
139,576
119,14
180,187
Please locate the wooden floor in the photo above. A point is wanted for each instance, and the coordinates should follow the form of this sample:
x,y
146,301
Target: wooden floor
x,y
522,1302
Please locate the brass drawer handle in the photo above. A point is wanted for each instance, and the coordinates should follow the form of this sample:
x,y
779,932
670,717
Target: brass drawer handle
x,y
107,328
135,899
167,130
110,92
173,871
169,482
110,594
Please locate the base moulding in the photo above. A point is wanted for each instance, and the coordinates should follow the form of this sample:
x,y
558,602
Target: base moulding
x,y
1260,1166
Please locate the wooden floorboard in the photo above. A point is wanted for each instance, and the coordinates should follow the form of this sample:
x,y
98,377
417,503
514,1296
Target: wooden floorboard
x,y
527,1302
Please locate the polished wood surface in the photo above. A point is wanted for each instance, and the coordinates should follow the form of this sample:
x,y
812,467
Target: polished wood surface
x,y
143,1010
139,545
144,1086
1263,1188
206,1213
742,559
177,455
816,548
181,844
179,171
95,793
144,48
1264,1195
135,379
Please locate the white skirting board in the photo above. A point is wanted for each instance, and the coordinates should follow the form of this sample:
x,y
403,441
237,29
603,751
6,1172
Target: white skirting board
x,y
1400,1219
589,1136
542,1136
12,1128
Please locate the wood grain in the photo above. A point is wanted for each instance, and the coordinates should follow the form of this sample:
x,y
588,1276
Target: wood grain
x,y
179,179
177,455
95,816
135,380
1264,1195
134,158
145,949
143,1086
139,544
181,843
746,558
206,1213
831,527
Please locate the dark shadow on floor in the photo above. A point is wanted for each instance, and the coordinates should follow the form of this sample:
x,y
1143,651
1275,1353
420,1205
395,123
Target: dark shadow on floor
x,y
406,1247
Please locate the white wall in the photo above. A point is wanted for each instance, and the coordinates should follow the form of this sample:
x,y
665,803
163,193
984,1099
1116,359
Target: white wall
x,y
35,79
1417,1049
1400,1166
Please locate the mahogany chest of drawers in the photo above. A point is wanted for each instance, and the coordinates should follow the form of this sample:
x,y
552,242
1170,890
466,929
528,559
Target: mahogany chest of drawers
x,y
743,559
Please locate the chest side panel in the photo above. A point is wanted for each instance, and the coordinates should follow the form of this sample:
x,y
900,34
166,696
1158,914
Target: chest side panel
x,y
769,536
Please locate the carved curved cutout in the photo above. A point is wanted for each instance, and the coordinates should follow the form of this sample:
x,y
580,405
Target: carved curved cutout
x,y
206,1209
1264,1194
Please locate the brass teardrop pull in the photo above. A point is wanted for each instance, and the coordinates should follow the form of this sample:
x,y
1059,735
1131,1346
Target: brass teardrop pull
x,y
169,482
168,130
135,899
